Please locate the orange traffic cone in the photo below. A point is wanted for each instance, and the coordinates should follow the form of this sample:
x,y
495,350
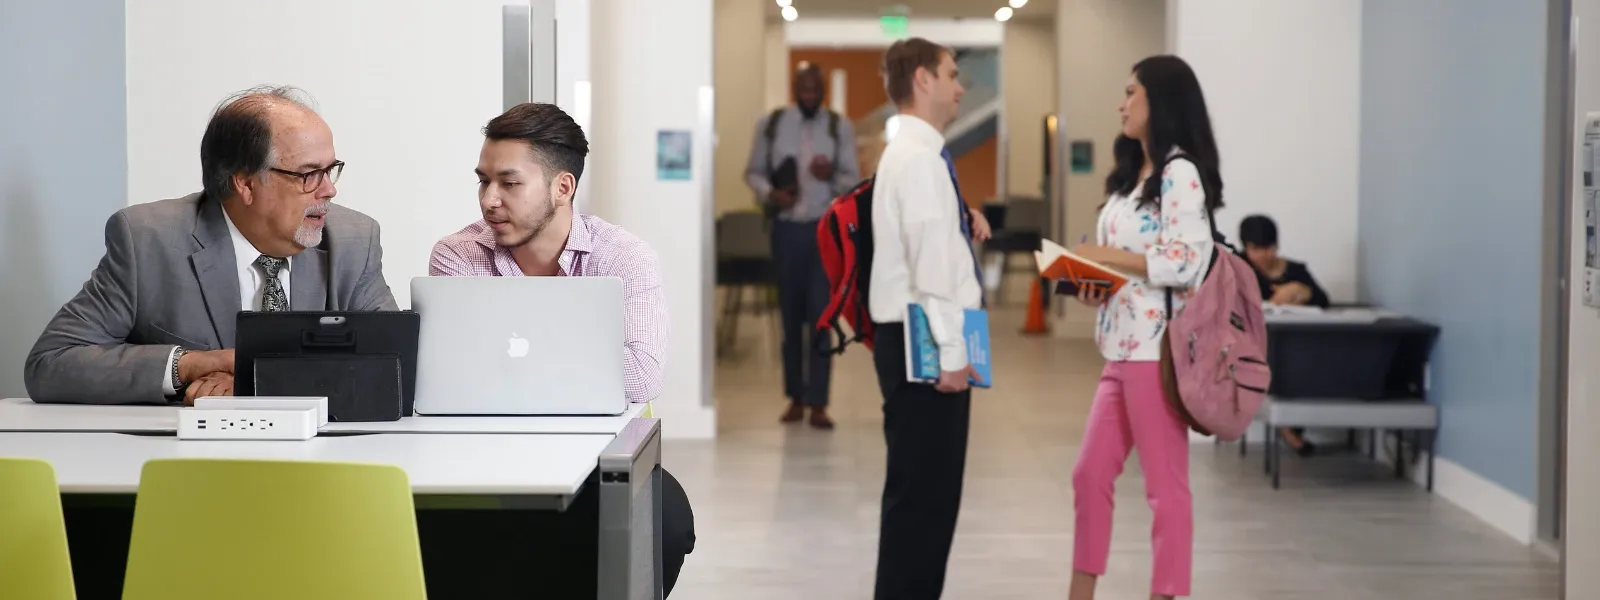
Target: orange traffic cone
x,y
1036,322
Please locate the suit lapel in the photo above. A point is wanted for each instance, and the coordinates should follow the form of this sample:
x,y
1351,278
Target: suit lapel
x,y
308,280
216,269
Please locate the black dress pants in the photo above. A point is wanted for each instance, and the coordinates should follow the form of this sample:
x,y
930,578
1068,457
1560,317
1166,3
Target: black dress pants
x,y
802,296
926,434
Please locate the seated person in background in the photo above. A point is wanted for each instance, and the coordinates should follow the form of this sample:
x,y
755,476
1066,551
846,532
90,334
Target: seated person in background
x,y
1282,281
528,175
155,322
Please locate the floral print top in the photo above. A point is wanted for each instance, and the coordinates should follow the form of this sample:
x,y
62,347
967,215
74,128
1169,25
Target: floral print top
x,y
1176,241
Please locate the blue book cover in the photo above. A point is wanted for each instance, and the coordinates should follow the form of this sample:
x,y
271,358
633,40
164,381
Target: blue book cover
x,y
922,355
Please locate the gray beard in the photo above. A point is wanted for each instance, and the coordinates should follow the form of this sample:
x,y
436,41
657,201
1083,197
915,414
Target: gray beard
x,y
308,237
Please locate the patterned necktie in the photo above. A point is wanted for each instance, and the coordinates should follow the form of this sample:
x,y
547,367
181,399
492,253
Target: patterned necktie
x,y
272,296
965,216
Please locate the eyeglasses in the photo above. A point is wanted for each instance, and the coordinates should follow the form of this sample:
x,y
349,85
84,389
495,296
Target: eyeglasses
x,y
311,180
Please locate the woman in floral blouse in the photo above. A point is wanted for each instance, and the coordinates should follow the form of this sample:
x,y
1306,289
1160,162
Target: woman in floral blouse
x,y
1156,227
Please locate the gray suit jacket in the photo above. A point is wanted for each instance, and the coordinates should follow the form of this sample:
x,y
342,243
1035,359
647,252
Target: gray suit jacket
x,y
168,278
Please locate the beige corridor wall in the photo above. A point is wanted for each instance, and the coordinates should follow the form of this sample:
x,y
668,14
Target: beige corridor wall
x,y
1028,81
775,55
1097,44
738,70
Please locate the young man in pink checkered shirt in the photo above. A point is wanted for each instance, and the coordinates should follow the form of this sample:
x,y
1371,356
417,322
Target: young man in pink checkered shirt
x,y
528,175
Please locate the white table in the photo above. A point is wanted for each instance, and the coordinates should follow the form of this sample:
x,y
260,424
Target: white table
x,y
1312,314
546,466
510,469
22,414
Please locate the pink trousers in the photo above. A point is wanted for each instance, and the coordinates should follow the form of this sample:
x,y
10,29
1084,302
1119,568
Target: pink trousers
x,y
1130,411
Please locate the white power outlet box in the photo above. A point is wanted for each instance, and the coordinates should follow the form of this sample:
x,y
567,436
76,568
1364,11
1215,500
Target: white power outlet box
x,y
320,403
247,424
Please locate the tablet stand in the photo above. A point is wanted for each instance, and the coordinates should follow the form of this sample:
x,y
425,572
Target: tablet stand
x,y
359,387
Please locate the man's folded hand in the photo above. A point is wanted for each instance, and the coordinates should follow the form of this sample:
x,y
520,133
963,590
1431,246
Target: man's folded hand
x,y
214,384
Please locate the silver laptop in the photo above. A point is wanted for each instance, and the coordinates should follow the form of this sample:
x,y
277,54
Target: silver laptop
x,y
519,345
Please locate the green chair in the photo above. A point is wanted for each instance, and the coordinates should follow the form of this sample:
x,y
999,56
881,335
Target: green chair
x,y
250,529
33,536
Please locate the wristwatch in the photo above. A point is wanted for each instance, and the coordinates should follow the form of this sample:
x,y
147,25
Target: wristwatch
x,y
177,353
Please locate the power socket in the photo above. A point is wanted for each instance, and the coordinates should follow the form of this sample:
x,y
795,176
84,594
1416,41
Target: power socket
x,y
247,424
320,403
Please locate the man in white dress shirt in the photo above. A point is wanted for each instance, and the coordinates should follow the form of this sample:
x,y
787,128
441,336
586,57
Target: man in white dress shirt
x,y
923,254
155,323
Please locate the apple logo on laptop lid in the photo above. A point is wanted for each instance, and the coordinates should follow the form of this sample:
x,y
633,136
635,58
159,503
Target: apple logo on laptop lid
x,y
516,347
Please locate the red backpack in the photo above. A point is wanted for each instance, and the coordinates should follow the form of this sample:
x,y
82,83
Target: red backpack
x,y
844,238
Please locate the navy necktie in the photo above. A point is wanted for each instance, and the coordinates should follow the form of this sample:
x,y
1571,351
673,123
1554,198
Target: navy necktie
x,y
965,216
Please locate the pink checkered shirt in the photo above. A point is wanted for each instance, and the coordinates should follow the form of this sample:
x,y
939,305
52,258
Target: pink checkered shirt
x,y
595,248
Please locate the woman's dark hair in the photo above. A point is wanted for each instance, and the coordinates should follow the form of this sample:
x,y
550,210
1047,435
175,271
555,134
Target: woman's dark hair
x,y
1258,231
1178,119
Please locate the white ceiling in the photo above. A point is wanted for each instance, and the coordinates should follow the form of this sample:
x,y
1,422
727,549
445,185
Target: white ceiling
x,y
933,9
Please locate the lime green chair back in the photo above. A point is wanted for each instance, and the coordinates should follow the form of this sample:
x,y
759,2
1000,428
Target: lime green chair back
x,y
257,530
33,536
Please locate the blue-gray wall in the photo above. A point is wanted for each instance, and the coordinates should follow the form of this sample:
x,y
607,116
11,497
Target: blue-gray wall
x,y
63,159
1451,137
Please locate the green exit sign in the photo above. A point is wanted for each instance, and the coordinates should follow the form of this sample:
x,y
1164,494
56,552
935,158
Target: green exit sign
x,y
893,26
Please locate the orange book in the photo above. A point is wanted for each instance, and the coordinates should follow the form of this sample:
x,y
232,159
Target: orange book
x,y
1071,271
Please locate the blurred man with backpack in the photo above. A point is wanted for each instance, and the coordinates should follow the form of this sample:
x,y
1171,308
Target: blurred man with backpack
x,y
802,157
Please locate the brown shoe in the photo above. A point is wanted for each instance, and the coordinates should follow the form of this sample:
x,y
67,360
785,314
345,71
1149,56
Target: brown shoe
x,y
819,418
794,414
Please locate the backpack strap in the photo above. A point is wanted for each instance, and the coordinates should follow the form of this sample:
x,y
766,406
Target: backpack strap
x,y
771,133
1211,219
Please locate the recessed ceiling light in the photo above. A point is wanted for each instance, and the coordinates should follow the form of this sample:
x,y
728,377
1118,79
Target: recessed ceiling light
x,y
790,14
1003,15
787,3
1014,3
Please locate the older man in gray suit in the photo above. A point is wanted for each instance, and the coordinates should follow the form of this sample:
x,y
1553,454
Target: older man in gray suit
x,y
155,322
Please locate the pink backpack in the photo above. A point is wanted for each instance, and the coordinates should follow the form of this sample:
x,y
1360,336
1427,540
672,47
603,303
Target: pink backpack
x,y
1214,354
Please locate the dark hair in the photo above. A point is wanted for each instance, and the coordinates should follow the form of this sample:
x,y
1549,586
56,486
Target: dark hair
x,y
238,139
900,64
1178,119
556,140
1259,231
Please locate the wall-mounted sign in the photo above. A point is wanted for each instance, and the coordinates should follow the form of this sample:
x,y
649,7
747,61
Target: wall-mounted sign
x,y
674,155
1082,156
894,26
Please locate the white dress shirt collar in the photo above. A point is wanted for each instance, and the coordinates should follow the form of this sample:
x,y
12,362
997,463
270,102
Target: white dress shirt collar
x,y
244,252
915,129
